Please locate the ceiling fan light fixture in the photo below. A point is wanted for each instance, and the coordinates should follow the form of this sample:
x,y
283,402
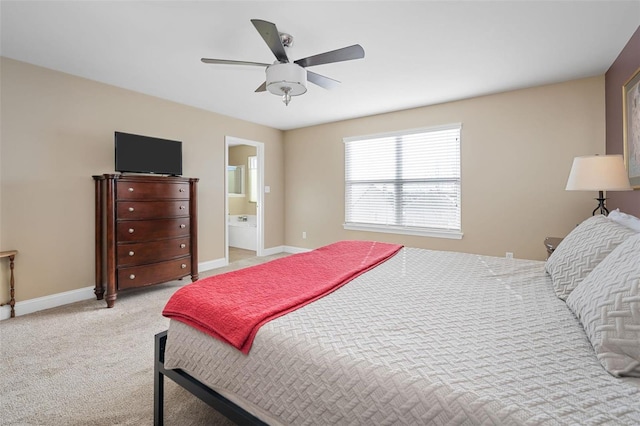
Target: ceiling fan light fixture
x,y
286,80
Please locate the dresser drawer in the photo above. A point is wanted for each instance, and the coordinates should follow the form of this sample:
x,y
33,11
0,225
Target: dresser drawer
x,y
152,209
154,273
130,231
154,251
150,190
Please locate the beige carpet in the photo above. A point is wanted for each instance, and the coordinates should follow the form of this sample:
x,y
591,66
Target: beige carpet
x,y
84,364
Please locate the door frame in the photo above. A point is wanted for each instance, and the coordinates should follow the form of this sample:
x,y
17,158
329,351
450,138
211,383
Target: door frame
x,y
233,141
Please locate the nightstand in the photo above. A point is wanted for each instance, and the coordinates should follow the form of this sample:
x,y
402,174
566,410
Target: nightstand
x,y
551,243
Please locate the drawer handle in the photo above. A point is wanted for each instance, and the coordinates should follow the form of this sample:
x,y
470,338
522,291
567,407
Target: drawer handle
x,y
181,189
183,245
131,253
182,225
130,189
182,207
131,209
183,266
132,277
131,230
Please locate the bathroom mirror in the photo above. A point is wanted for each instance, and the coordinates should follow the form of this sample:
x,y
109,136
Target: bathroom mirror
x,y
235,181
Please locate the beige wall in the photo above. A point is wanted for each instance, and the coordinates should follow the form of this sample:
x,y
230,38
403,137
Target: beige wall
x,y
517,149
57,131
238,155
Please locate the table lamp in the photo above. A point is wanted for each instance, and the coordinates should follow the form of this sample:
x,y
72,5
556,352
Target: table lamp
x,y
598,173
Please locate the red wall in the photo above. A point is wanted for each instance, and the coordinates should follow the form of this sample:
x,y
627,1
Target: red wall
x,y
620,71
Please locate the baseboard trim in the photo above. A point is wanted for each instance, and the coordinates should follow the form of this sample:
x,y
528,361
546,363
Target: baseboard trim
x,y
295,250
54,300
47,302
30,306
284,249
272,250
211,264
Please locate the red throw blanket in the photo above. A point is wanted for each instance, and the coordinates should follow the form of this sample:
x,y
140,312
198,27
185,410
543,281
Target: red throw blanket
x,y
233,306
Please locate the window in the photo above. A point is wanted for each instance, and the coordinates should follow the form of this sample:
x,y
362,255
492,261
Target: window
x,y
406,182
253,178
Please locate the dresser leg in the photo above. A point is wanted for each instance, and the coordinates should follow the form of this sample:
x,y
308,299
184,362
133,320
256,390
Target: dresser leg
x,y
112,294
99,292
111,300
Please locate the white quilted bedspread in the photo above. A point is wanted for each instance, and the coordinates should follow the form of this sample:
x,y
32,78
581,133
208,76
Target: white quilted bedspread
x,y
428,337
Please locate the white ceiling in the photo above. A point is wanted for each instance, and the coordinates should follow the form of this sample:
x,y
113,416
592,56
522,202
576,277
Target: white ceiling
x,y
416,52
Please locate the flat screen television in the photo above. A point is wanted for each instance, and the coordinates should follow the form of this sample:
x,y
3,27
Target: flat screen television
x,y
144,154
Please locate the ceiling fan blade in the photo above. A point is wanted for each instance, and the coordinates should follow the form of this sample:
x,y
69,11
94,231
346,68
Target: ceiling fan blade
x,y
321,80
262,88
345,54
271,36
230,62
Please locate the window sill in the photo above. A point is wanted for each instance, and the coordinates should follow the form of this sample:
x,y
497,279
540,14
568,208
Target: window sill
x,y
436,233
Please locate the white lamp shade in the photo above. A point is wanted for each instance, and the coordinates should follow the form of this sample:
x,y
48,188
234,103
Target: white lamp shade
x,y
598,173
287,75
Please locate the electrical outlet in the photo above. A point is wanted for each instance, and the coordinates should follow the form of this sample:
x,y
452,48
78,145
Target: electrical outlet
x,y
509,255
304,235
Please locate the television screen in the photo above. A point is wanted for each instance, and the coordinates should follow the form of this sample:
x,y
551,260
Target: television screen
x,y
144,154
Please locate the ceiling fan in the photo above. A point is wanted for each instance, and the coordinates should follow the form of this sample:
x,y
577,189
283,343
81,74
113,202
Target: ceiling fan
x,y
286,78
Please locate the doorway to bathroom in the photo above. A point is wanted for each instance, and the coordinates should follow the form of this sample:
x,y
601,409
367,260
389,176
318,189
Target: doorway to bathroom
x,y
244,183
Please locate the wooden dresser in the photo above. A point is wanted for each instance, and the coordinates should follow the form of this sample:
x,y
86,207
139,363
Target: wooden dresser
x,y
146,232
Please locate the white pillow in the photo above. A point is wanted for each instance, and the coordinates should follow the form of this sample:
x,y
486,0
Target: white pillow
x,y
607,303
582,250
625,219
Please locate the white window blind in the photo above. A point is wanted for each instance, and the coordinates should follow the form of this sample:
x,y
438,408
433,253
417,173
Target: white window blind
x,y
405,182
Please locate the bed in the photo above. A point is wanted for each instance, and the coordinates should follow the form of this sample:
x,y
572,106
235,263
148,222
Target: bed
x,y
433,337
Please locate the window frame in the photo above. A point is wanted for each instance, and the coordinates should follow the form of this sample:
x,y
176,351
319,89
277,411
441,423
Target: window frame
x,y
401,229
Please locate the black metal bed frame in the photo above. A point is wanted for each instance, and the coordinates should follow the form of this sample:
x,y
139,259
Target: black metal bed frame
x,y
221,404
